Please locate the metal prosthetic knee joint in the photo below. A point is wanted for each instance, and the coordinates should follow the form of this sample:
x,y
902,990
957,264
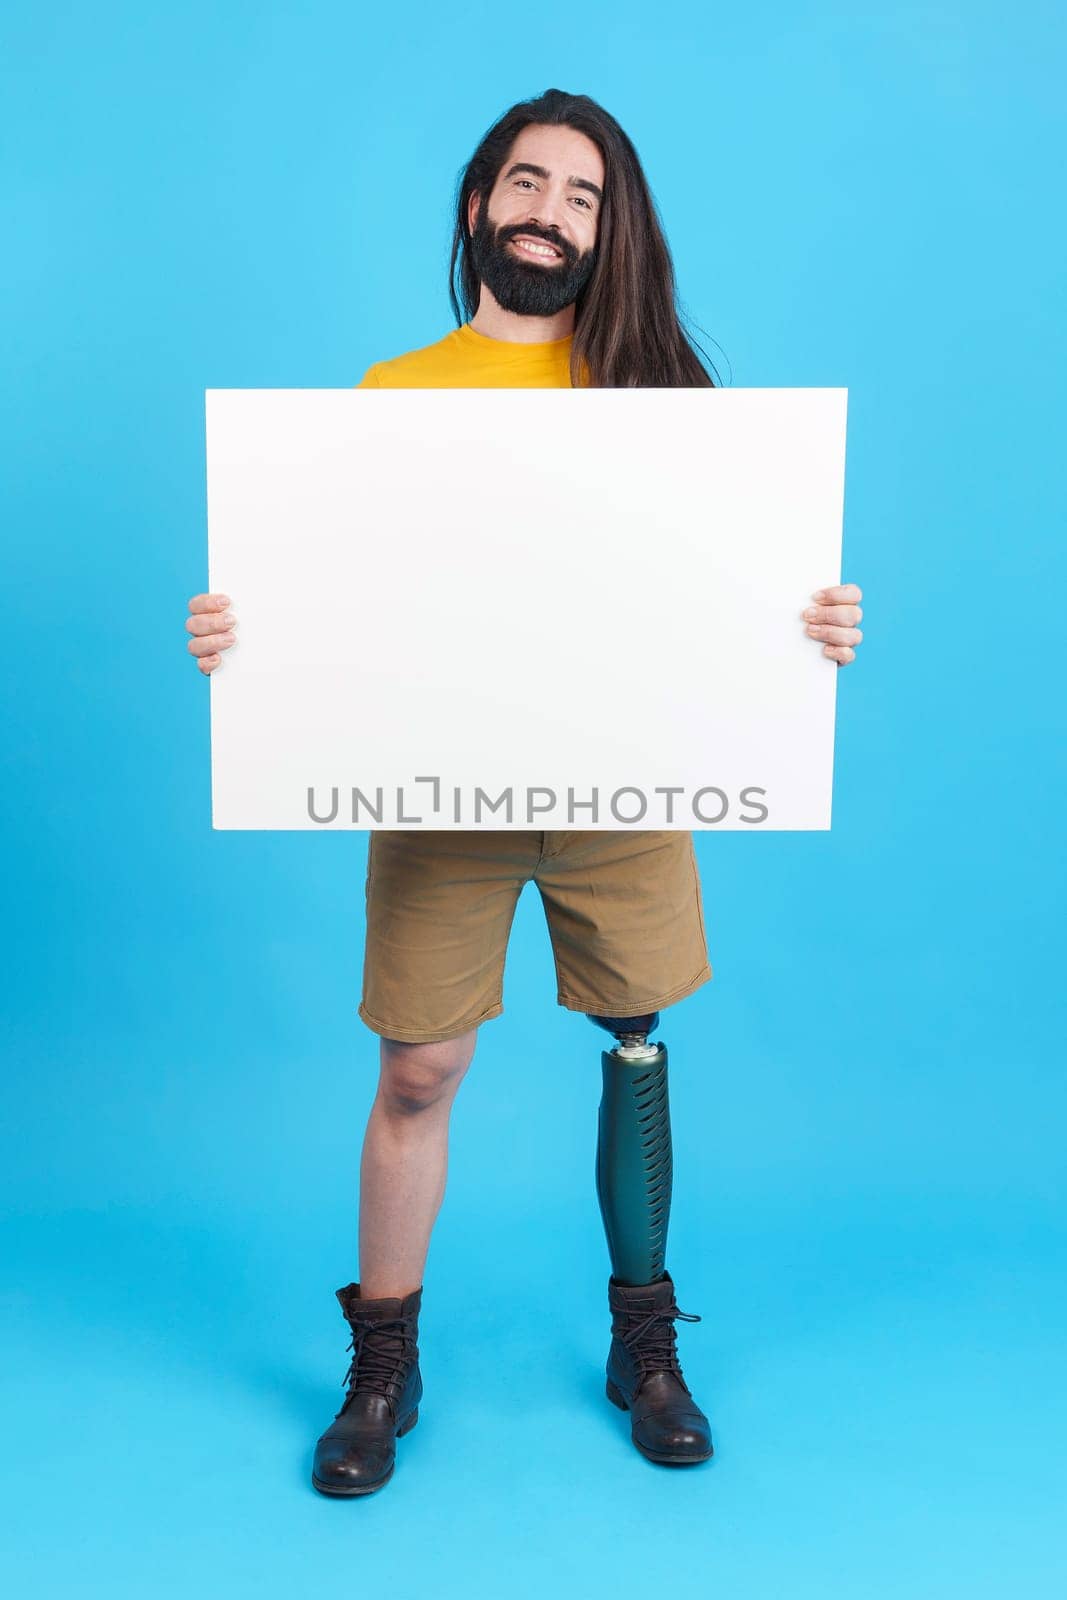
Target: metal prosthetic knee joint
x,y
631,1034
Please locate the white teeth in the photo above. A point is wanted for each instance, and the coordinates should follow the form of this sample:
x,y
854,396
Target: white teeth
x,y
536,249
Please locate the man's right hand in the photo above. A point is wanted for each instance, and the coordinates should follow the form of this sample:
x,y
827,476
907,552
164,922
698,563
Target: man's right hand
x,y
211,624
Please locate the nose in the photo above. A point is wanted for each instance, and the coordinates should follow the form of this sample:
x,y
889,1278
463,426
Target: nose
x,y
550,213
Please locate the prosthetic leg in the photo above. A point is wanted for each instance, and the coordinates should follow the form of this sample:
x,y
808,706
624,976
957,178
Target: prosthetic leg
x,y
634,1171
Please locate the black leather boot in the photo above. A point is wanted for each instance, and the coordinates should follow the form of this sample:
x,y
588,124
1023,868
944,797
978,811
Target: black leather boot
x,y
645,1378
357,1453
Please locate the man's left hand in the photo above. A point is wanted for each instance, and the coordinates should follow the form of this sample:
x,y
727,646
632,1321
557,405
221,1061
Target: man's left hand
x,y
833,619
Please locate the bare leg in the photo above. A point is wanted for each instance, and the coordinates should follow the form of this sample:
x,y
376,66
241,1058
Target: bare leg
x,y
405,1160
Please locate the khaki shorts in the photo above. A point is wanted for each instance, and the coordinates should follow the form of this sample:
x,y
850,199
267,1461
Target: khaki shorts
x,y
624,913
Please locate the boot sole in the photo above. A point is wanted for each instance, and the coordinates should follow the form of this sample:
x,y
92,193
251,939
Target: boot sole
x,y
616,1397
337,1493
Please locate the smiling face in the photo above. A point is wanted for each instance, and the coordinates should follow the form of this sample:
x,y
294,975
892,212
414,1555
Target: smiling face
x,y
534,244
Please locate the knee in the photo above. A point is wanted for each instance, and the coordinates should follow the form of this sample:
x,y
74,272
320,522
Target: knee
x,y
416,1077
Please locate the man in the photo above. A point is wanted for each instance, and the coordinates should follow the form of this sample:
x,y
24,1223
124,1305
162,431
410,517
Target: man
x,y
566,280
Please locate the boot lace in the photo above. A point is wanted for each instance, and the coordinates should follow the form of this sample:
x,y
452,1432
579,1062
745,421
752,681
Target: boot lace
x,y
379,1352
652,1341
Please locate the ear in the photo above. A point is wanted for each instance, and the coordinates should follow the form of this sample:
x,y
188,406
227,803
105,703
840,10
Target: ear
x,y
473,206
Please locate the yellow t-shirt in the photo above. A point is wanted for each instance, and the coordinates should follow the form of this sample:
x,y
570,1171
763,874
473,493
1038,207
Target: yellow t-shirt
x,y
464,359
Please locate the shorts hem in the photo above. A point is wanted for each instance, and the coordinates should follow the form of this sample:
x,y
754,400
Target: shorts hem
x,y
628,1009
425,1035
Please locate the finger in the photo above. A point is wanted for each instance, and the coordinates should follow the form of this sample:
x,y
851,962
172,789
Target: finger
x,y
820,630
211,644
209,602
841,653
846,593
841,616
210,622
207,664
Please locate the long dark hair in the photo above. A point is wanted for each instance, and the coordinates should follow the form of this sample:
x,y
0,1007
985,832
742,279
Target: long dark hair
x,y
628,329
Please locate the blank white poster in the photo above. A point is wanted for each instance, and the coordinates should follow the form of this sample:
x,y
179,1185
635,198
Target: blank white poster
x,y
544,608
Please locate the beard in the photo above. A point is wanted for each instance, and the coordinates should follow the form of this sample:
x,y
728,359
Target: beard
x,y
527,287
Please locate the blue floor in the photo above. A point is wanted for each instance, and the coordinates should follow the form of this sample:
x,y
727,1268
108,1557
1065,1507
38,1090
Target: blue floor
x,y
881,1352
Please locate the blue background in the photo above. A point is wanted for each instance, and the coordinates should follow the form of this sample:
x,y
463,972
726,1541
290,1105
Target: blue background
x,y
868,1100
